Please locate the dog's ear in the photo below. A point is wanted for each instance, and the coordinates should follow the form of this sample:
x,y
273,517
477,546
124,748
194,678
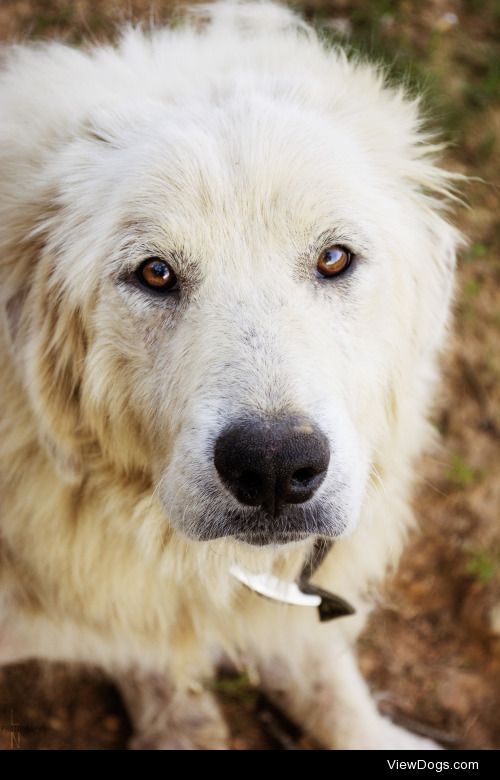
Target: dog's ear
x,y
13,311
48,344
447,241
432,194
55,346
443,242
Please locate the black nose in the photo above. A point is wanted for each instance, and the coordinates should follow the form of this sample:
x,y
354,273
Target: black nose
x,y
270,463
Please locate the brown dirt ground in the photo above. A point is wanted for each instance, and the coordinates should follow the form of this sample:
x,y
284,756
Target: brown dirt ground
x,y
432,652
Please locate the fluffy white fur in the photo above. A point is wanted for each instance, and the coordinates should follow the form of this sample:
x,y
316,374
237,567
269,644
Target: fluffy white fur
x,y
233,145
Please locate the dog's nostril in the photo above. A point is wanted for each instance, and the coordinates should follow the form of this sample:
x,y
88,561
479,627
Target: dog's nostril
x,y
303,477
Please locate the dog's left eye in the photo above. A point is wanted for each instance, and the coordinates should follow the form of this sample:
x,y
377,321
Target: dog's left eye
x,y
333,261
156,274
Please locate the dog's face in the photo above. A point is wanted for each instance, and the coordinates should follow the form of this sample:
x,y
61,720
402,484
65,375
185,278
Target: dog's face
x,y
254,287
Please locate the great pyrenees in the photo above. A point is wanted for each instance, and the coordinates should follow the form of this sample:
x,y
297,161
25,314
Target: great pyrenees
x,y
225,278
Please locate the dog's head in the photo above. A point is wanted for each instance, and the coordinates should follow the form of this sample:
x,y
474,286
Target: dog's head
x,y
240,285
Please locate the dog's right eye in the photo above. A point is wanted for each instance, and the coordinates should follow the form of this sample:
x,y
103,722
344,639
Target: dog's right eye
x,y
156,274
333,261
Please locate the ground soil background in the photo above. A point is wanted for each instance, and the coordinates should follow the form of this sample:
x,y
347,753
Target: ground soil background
x,y
432,650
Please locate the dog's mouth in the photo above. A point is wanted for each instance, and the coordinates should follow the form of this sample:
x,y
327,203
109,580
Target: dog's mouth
x,y
263,538
259,529
259,538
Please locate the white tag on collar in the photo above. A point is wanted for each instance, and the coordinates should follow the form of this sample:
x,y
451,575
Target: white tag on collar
x,y
273,588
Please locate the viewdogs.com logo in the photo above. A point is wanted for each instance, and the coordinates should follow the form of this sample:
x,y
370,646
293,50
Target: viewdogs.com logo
x,y
435,766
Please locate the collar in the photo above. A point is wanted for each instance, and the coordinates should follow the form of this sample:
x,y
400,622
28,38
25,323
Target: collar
x,y
301,592
331,606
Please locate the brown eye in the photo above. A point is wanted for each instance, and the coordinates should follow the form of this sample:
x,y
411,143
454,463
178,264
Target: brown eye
x,y
156,274
333,261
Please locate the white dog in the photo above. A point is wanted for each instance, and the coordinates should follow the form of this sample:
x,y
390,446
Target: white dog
x,y
225,278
